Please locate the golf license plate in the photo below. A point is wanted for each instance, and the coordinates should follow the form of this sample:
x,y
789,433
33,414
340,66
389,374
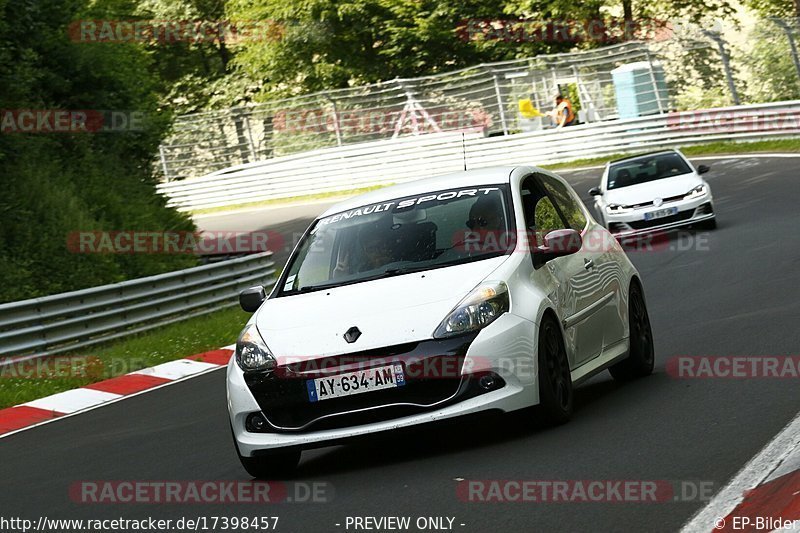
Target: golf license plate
x,y
661,213
358,382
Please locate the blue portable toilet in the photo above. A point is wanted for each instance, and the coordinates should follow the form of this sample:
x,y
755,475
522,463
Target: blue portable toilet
x,y
638,92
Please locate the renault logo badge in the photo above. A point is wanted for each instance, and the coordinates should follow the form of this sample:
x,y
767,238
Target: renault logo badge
x,y
352,335
657,202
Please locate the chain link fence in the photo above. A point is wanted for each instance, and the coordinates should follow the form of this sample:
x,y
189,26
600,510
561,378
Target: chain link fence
x,y
685,67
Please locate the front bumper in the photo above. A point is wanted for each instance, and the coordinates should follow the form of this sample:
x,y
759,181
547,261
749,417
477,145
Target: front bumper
x,y
505,349
633,222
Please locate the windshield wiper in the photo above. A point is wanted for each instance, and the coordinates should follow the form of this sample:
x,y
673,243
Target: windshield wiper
x,y
430,266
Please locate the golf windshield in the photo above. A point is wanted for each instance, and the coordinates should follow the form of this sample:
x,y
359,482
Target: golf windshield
x,y
643,169
399,236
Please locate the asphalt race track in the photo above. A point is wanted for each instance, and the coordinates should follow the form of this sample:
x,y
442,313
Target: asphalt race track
x,y
732,291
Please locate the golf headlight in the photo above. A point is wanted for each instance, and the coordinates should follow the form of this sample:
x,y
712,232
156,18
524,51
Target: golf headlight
x,y
698,191
617,208
252,353
480,308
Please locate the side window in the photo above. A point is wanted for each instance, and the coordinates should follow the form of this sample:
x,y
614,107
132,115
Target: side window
x,y
547,218
541,215
565,202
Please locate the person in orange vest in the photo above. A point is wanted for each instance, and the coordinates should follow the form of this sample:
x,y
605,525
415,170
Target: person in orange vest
x,y
562,114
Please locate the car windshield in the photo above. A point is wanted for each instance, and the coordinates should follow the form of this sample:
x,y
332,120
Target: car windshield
x,y
401,235
647,168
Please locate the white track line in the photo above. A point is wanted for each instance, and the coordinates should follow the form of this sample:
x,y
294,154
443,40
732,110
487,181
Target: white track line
x,y
121,398
72,401
784,447
176,369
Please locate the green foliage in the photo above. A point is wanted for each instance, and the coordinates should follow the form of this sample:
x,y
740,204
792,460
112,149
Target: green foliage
x,y
324,44
775,8
773,75
55,184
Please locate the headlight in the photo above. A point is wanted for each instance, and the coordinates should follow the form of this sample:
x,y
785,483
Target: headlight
x,y
617,208
480,308
698,191
252,353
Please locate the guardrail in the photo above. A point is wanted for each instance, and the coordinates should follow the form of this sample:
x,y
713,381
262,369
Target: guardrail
x,y
401,160
74,320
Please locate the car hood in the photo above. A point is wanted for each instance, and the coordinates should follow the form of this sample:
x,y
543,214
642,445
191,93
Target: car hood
x,y
388,311
646,192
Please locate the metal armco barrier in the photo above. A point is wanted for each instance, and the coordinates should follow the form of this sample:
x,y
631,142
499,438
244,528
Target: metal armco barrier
x,y
74,320
401,160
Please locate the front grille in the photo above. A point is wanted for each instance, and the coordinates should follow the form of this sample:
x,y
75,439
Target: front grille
x,y
677,217
432,370
664,201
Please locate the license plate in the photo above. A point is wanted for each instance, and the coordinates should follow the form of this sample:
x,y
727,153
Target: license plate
x,y
661,213
358,382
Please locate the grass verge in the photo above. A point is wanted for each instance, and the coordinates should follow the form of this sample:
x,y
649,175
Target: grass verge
x,y
25,382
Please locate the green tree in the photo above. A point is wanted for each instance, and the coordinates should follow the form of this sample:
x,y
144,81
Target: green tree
x,y
56,184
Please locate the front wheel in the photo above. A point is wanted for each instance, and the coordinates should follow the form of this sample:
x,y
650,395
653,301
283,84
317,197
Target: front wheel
x,y
555,380
641,356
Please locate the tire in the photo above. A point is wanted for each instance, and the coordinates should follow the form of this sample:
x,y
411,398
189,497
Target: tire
x,y
555,381
641,355
275,464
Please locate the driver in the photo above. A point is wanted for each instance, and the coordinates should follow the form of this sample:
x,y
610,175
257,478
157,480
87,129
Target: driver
x,y
485,214
375,247
486,223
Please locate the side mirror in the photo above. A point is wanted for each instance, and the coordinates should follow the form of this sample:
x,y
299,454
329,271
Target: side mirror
x,y
251,299
595,191
558,243
702,169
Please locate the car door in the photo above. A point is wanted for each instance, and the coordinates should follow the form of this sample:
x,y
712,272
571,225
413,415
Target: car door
x,y
580,292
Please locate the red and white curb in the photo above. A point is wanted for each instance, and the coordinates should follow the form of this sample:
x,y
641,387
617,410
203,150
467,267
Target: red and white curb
x,y
72,402
763,496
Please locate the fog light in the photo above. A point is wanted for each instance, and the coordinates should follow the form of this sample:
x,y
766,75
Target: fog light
x,y
486,382
255,422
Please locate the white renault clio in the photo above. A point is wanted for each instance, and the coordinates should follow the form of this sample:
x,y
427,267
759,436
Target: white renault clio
x,y
487,290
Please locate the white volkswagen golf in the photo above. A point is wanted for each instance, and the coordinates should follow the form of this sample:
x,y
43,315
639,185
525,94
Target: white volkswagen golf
x,y
653,192
487,290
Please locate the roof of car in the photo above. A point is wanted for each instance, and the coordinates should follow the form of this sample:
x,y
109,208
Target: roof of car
x,y
637,156
468,178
